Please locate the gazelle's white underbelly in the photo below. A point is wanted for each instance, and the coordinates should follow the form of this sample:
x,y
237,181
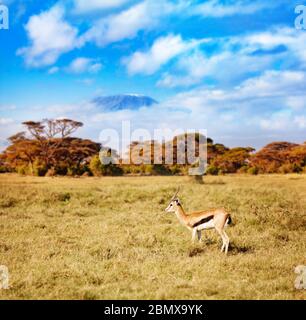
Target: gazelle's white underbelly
x,y
206,225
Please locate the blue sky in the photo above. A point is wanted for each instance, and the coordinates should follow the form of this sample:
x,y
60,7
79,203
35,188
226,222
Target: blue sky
x,y
235,68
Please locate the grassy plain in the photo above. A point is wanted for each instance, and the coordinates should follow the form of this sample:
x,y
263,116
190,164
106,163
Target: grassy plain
x,y
109,238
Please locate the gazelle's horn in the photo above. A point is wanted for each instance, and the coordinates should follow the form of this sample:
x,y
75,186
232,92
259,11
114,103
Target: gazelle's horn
x,y
176,193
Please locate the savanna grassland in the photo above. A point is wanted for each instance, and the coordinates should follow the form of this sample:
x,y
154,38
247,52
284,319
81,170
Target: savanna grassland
x,y
109,238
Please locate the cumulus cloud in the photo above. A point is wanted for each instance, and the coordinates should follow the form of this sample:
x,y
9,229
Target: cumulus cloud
x,y
83,65
292,40
162,51
217,9
50,36
300,121
6,121
87,6
253,113
239,57
128,23
8,127
225,67
256,109
53,70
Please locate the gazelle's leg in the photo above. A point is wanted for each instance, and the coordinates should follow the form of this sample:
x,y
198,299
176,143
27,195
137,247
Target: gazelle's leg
x,y
199,233
194,233
223,246
223,239
227,241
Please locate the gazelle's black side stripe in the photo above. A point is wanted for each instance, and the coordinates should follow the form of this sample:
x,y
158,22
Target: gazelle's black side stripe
x,y
203,221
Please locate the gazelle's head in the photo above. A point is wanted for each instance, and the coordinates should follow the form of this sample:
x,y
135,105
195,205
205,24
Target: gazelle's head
x,y
173,205
174,202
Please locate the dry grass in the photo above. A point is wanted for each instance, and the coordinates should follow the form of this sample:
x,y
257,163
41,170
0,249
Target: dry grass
x,y
109,238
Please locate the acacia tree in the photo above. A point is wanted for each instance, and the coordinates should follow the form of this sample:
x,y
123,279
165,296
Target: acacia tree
x,y
277,154
232,160
47,144
22,151
50,133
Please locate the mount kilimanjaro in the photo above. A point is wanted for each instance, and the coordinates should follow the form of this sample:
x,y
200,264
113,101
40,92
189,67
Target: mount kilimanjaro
x,y
123,102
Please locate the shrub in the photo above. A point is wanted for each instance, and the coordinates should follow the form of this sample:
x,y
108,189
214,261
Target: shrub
x,y
4,169
175,170
51,173
95,166
39,169
290,168
158,169
61,170
111,170
72,171
253,171
99,169
297,168
243,169
22,170
212,170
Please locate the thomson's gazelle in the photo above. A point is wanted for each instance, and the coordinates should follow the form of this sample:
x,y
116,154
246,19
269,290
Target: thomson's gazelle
x,y
201,220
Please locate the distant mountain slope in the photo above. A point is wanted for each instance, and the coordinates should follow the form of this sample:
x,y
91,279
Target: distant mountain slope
x,y
124,101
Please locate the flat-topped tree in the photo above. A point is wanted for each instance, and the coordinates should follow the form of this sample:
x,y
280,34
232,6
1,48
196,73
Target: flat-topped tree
x,y
52,128
47,137
48,144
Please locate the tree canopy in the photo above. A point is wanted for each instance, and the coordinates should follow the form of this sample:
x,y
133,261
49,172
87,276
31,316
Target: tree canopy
x,y
47,147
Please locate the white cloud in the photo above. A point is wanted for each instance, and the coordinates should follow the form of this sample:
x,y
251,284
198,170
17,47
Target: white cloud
x,y
86,6
162,51
86,81
296,103
275,84
225,66
7,2
289,38
128,23
272,86
50,36
53,70
239,57
253,113
254,110
300,121
83,65
277,122
216,9
9,107
59,110
6,121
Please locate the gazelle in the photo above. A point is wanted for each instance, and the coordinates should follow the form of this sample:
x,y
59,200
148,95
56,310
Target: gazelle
x,y
200,220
